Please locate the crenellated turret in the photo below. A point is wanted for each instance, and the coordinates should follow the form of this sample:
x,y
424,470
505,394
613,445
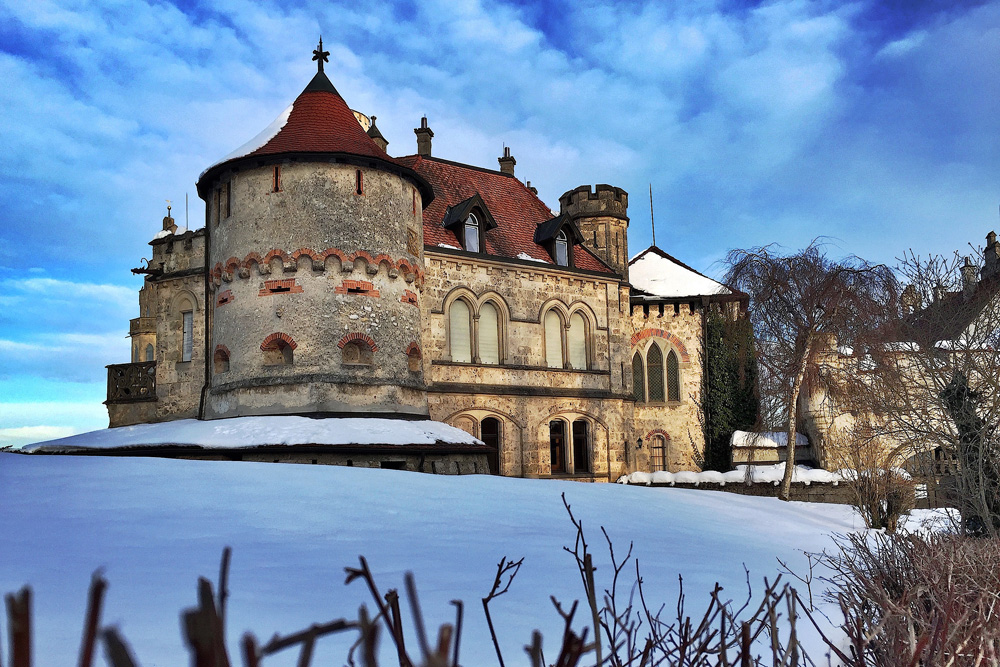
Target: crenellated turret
x,y
601,214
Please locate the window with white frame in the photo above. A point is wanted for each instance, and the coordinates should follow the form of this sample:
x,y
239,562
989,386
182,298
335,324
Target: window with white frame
x,y
489,334
562,248
472,233
460,331
187,335
553,340
577,339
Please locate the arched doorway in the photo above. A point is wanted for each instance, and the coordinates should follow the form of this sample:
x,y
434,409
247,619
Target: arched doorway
x,y
490,433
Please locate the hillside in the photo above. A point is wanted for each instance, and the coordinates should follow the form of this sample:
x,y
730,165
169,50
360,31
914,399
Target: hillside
x,y
154,525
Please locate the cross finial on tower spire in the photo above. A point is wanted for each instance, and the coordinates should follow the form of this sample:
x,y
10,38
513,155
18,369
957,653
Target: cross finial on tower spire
x,y
321,56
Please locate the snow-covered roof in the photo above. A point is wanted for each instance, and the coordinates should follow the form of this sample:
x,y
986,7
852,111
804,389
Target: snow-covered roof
x,y
258,141
662,276
766,440
251,432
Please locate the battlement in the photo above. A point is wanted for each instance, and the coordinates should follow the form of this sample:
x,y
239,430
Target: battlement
x,y
601,200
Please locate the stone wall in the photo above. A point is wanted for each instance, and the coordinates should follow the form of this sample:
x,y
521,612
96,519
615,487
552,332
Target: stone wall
x,y
676,327
522,392
331,276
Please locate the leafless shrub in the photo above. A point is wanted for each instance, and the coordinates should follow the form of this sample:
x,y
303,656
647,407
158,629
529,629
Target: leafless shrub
x,y
912,600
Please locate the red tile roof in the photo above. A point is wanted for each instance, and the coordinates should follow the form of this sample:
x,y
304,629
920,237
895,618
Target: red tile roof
x,y
516,209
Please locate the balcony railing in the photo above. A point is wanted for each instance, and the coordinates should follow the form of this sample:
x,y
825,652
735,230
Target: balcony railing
x,y
139,325
130,383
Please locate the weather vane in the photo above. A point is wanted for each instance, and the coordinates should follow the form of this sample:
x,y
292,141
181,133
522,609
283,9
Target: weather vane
x,y
321,56
168,207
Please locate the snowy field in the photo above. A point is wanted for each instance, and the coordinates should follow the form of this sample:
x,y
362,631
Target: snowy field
x,y
154,525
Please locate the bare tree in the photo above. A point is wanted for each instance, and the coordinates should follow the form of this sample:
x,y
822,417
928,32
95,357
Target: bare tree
x,y
796,302
930,381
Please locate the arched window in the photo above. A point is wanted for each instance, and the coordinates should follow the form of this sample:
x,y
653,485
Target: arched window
x,y
489,334
460,331
356,353
581,446
221,361
654,366
562,248
673,378
577,339
489,431
472,233
658,453
638,378
359,183
413,357
277,353
553,340
150,353
557,445
187,335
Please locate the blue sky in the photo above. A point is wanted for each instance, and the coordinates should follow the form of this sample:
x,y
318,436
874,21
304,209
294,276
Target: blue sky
x,y
873,123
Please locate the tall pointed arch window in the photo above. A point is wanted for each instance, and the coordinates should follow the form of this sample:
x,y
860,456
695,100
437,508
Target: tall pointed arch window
x,y
577,339
460,331
638,378
553,340
489,334
150,354
654,367
673,378
472,233
562,248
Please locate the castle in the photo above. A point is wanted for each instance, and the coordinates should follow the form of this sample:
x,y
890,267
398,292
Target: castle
x,y
333,280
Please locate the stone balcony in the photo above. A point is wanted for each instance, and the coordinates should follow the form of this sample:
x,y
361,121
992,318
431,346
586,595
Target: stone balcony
x,y
142,325
132,383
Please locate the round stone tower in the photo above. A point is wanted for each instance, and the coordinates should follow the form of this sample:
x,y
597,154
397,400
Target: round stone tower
x,y
315,245
601,215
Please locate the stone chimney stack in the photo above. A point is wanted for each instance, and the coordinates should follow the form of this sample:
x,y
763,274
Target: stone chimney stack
x,y
507,162
424,136
970,273
991,256
168,223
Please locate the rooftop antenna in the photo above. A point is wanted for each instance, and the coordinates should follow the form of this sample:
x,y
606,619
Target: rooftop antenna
x,y
652,223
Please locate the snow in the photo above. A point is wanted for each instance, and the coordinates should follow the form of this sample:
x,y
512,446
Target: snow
x,y
767,474
766,440
246,432
663,277
448,245
164,233
524,255
265,136
154,525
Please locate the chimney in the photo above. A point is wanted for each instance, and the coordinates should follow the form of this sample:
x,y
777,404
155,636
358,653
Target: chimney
x,y
424,136
507,162
991,256
533,189
969,274
168,223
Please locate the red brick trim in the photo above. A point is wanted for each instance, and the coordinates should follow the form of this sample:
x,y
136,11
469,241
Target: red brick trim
x,y
409,297
413,350
660,333
271,342
362,287
403,265
287,286
224,298
368,340
656,431
223,349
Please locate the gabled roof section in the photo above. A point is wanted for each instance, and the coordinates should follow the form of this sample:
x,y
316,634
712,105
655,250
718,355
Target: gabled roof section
x,y
657,274
516,210
546,231
456,215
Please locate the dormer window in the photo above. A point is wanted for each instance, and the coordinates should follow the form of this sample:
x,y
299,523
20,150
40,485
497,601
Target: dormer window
x,y
562,249
472,233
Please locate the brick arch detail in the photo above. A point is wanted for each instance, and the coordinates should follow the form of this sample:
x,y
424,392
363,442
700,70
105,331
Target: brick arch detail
x,y
657,431
273,339
351,337
412,349
223,349
662,333
404,265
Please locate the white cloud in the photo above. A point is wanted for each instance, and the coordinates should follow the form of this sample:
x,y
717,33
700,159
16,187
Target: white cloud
x,y
29,434
902,46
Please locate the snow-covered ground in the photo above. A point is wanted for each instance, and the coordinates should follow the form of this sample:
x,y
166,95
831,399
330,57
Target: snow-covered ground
x,y
154,525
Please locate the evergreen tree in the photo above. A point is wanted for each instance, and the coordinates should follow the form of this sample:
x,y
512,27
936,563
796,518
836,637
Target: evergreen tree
x,y
730,395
